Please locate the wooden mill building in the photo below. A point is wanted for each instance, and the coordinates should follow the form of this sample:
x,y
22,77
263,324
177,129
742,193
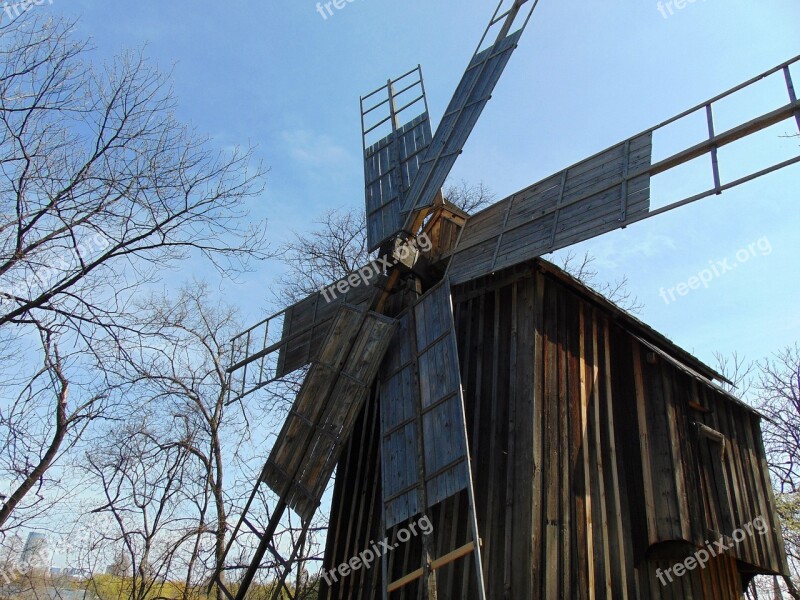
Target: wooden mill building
x,y
552,445
602,455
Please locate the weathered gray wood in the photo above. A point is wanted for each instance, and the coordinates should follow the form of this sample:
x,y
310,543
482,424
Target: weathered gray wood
x,y
327,406
306,324
422,369
562,429
467,104
391,165
586,198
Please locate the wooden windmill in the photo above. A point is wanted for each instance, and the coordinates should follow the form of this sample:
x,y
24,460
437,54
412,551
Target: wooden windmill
x,y
384,342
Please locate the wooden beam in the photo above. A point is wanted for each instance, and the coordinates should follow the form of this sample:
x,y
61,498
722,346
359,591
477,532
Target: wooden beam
x,y
436,564
510,16
394,277
717,141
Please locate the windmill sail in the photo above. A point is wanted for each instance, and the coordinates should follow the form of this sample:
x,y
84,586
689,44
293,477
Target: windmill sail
x,y
467,104
587,199
392,163
424,450
291,338
422,407
314,434
322,417
608,191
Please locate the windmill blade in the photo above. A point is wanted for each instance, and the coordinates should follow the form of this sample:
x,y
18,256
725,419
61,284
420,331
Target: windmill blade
x,y
467,104
392,163
608,191
290,339
314,434
587,199
422,407
424,451
322,416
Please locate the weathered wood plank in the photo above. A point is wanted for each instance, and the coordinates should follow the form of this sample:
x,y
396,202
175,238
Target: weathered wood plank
x,y
644,441
391,164
461,115
539,498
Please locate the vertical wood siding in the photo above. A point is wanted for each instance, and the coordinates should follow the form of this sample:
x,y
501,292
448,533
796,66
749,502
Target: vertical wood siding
x,y
585,458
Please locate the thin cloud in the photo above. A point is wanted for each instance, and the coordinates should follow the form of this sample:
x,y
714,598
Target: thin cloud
x,y
616,251
310,148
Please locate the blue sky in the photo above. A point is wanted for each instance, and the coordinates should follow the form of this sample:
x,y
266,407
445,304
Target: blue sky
x,y
587,74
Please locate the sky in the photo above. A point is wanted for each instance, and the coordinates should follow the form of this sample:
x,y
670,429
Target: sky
x,y
587,74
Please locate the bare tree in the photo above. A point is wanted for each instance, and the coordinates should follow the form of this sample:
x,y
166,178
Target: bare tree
x,y
738,370
142,473
777,391
772,386
177,364
173,367
101,189
618,292
468,197
334,249
34,440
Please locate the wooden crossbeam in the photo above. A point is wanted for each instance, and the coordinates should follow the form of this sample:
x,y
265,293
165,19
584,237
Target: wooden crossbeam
x,y
722,139
435,564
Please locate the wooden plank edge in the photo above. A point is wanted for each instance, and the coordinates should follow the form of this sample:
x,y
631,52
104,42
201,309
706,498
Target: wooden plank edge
x,y
436,564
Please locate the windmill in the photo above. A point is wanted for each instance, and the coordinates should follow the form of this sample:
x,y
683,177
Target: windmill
x,y
386,337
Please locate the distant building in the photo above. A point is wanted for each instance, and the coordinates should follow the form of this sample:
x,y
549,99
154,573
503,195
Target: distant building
x,y
36,545
77,573
120,567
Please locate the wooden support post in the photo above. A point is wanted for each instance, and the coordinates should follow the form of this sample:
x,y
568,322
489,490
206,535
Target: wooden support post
x,y
429,591
277,593
624,187
792,96
384,555
263,544
714,160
